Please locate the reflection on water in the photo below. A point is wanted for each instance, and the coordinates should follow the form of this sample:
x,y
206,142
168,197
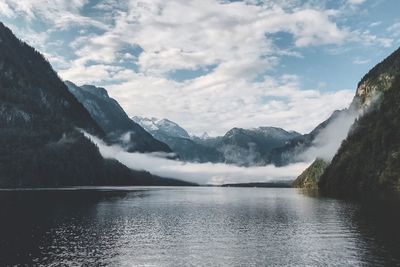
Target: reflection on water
x,y
195,226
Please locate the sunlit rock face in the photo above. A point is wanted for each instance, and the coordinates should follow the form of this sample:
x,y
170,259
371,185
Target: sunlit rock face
x,y
377,80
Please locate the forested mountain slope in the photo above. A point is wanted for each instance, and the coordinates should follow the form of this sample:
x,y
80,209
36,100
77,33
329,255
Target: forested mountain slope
x,y
39,142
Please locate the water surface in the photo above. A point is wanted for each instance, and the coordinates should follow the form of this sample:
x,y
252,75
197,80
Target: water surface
x,y
191,226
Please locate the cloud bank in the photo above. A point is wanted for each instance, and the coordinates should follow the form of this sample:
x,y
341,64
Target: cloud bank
x,y
328,141
201,173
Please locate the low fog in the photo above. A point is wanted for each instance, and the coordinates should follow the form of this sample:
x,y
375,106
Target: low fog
x,y
328,141
201,173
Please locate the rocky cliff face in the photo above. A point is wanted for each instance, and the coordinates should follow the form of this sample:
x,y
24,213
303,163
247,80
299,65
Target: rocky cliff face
x,y
368,159
377,81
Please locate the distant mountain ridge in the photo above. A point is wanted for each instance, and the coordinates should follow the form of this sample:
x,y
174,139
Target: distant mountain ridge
x,y
238,146
249,147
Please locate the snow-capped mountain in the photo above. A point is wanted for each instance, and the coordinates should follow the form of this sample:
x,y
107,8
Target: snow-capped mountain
x,y
238,146
179,140
161,125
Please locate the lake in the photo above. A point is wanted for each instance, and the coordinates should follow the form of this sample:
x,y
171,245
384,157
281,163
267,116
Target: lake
x,y
195,226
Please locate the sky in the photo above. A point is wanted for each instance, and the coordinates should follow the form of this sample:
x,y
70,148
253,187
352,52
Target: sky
x,y
211,65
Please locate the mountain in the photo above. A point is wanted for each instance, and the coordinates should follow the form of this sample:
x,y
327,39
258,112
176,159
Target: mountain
x,y
40,144
113,120
238,146
179,140
249,147
154,125
369,159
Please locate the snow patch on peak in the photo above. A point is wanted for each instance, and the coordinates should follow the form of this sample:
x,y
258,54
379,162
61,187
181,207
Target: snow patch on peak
x,y
172,128
205,135
164,125
148,124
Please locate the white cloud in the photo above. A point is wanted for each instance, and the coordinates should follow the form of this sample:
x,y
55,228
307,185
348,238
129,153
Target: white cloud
x,y
6,10
59,14
235,37
375,24
356,2
395,29
216,103
367,38
359,61
232,36
214,33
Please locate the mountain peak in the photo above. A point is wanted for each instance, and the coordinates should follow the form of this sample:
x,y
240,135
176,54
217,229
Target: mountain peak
x,y
163,125
91,89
